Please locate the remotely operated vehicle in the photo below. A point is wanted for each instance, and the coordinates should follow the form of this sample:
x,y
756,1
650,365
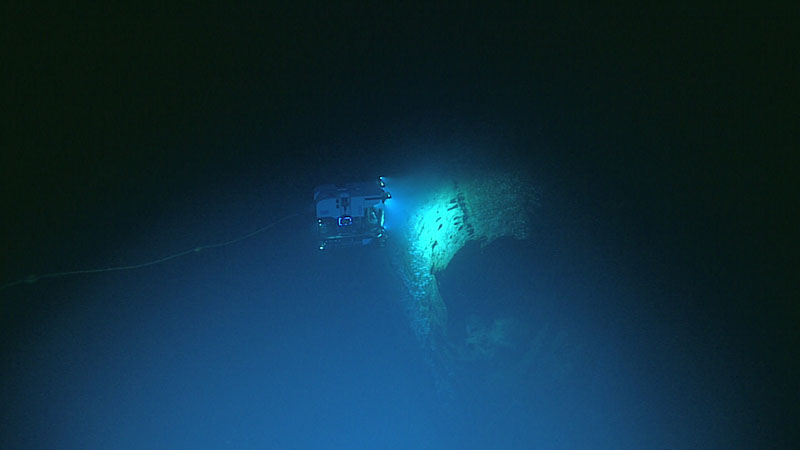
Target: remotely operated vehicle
x,y
351,214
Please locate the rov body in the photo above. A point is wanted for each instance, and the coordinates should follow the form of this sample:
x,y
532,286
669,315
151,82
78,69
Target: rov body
x,y
351,214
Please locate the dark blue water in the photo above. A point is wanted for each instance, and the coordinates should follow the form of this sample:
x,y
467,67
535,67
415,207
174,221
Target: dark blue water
x,y
654,303
271,343
267,344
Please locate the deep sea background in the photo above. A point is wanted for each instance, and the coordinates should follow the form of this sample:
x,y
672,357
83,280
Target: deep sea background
x,y
658,276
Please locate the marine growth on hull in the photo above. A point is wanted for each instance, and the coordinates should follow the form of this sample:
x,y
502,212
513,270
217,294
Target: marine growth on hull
x,y
455,211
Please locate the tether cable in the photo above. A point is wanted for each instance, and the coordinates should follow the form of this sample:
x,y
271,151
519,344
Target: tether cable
x,y
33,278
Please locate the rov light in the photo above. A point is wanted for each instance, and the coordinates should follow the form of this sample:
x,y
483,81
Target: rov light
x,y
345,221
381,182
